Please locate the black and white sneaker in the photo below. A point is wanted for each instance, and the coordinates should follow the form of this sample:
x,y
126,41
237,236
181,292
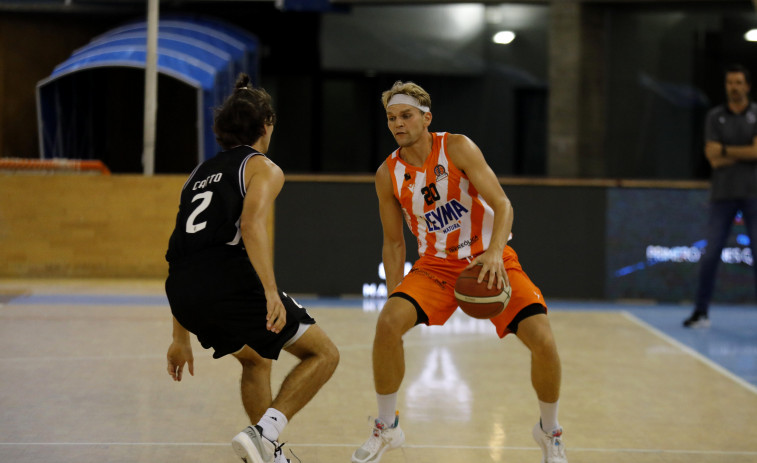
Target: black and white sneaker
x,y
697,320
252,447
278,455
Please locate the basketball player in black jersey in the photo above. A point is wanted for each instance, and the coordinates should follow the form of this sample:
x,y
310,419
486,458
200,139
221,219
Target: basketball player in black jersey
x,y
221,284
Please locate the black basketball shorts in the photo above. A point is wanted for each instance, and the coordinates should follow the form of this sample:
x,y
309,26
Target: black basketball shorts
x,y
221,300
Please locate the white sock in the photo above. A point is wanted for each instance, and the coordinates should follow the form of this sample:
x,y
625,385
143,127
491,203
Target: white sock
x,y
273,423
549,416
387,406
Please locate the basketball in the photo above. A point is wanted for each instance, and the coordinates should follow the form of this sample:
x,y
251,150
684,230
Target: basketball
x,y
475,299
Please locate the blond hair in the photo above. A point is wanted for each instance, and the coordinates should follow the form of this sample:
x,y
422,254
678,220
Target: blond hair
x,y
407,88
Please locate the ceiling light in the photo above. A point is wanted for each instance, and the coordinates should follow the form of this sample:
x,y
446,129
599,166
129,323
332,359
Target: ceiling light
x,y
505,37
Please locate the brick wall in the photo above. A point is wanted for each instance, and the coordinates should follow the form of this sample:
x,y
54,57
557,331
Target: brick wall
x,y
85,225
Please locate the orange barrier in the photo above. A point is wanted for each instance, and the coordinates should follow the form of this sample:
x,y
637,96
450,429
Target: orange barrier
x,y
54,165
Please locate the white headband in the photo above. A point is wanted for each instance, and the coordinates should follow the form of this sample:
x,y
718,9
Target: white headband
x,y
401,98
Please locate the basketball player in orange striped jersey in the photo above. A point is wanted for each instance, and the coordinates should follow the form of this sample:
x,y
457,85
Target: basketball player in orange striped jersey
x,y
440,185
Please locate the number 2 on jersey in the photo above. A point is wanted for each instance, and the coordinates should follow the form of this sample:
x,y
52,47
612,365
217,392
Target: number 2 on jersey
x,y
193,227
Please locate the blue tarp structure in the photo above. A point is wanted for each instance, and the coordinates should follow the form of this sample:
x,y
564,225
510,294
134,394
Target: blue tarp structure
x,y
205,54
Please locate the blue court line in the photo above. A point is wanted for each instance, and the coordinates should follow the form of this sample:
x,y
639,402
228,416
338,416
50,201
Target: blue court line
x,y
731,340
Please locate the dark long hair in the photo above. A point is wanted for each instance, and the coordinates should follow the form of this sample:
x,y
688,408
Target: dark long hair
x,y
242,118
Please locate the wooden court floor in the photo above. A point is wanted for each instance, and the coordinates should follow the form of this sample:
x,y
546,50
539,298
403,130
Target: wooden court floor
x,y
82,380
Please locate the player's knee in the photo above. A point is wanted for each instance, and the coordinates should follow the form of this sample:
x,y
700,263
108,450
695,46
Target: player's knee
x,y
387,327
319,347
395,321
329,356
543,346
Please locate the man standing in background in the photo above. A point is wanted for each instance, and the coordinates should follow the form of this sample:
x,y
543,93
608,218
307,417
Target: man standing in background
x,y
731,149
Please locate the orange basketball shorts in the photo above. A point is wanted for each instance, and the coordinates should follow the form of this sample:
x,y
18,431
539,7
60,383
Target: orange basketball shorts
x,y
431,284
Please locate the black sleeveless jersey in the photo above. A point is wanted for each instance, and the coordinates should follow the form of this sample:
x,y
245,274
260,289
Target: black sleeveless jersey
x,y
210,207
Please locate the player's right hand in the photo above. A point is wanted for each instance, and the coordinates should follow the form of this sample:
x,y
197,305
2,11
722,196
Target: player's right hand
x,y
276,317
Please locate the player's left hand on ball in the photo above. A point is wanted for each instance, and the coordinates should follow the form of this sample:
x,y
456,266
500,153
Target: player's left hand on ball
x,y
504,282
494,267
495,274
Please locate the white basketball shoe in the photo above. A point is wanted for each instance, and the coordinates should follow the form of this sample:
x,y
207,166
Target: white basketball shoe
x,y
552,448
382,438
252,447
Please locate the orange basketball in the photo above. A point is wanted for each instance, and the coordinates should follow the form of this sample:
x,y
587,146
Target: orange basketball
x,y
475,299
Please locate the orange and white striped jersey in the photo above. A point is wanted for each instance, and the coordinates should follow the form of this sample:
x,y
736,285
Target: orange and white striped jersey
x,y
442,208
